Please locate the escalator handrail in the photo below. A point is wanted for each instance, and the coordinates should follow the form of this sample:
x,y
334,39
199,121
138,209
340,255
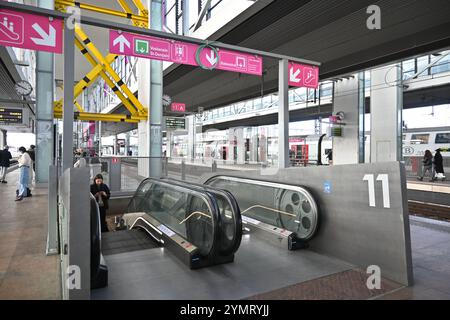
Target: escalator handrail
x,y
234,207
206,196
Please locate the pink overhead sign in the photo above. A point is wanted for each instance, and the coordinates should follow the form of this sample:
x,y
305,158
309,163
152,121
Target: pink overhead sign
x,y
28,31
178,107
182,52
302,75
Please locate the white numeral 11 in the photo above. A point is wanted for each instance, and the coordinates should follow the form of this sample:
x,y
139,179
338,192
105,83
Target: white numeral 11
x,y
384,178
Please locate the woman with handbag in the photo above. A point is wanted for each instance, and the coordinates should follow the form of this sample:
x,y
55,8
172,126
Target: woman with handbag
x,y
101,193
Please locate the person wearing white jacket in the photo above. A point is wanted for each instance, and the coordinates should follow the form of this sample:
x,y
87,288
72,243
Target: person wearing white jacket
x,y
25,163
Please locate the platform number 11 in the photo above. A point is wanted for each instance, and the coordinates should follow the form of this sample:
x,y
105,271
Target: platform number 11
x,y
384,178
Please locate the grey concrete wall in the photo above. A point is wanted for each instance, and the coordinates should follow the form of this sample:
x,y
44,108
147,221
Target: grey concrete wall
x,y
350,229
346,148
386,103
76,233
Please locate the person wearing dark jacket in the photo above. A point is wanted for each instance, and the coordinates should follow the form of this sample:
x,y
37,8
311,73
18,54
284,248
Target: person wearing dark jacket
x,y
438,163
5,157
101,193
427,165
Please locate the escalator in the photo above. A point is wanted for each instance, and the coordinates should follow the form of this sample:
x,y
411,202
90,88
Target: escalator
x,y
200,225
284,214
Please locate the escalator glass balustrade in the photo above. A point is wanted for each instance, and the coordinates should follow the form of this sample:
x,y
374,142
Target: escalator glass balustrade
x,y
184,219
278,208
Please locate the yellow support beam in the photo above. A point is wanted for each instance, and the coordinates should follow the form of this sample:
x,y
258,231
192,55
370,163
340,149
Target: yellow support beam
x,y
82,37
65,3
127,9
104,117
92,75
77,105
105,77
88,79
142,10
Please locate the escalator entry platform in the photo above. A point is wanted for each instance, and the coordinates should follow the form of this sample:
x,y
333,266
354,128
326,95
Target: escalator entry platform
x,y
115,242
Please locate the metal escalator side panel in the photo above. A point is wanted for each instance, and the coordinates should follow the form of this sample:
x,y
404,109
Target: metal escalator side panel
x,y
99,270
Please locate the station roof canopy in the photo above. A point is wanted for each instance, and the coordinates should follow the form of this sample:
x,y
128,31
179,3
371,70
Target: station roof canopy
x,y
333,32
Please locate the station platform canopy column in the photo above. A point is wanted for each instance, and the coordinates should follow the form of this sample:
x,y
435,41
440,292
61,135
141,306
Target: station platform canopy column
x,y
386,104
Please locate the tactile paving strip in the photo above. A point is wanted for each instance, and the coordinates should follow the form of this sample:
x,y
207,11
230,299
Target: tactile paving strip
x,y
346,285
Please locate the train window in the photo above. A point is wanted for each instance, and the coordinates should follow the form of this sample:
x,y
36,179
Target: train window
x,y
420,138
443,137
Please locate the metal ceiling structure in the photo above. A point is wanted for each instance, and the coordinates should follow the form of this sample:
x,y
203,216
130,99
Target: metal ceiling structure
x,y
331,31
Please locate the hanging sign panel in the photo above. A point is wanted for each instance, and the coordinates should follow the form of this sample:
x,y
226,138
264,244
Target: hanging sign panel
x,y
183,53
302,75
11,116
29,31
178,107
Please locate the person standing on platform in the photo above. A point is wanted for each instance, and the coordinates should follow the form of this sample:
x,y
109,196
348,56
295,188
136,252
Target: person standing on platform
x,y
330,157
438,169
101,193
427,165
24,167
32,154
81,163
5,157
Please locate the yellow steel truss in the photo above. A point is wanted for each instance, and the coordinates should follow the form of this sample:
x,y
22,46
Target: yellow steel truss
x,y
106,117
101,65
87,43
107,79
139,20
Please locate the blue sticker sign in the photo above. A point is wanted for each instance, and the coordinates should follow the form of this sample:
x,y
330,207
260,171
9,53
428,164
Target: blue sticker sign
x,y
327,187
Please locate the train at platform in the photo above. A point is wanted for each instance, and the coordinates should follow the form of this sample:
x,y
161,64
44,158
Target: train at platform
x,y
304,149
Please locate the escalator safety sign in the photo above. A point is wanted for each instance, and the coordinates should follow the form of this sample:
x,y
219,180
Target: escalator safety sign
x,y
29,31
166,231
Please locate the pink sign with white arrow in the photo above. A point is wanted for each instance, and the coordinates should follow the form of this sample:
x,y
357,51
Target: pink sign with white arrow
x,y
182,52
302,75
28,31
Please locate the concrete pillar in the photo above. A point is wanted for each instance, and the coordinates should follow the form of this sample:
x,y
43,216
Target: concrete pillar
x,y
127,143
156,92
190,126
262,145
231,143
386,104
283,115
149,75
169,144
143,149
44,109
346,149
239,132
3,140
254,145
116,146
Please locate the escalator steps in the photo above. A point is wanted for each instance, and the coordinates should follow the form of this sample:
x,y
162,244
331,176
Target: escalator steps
x,y
125,241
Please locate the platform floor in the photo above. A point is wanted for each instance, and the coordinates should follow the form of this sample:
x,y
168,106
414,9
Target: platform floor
x,y
261,271
258,267
25,271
